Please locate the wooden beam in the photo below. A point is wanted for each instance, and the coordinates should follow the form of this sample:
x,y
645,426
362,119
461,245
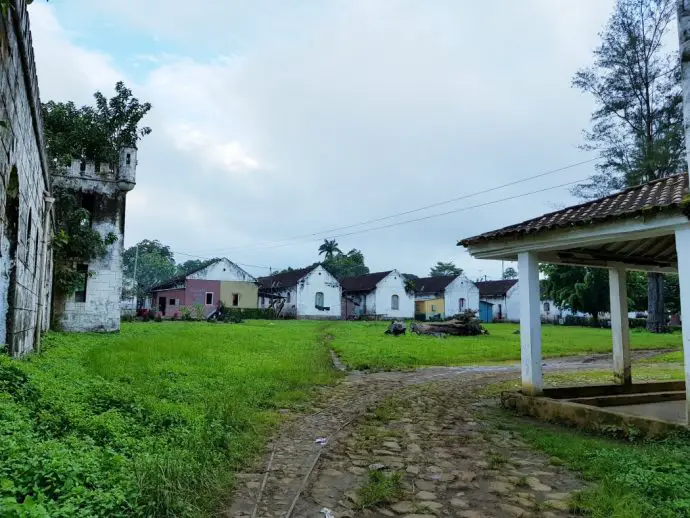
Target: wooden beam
x,y
530,324
619,325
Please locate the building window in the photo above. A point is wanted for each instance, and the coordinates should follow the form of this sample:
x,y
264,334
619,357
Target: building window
x,y
263,302
235,299
461,304
500,311
395,302
209,298
88,203
547,307
98,166
80,292
288,297
82,166
433,307
128,160
172,302
319,299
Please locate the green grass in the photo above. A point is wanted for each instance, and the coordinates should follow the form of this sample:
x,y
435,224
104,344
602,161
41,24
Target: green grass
x,y
362,345
629,480
674,357
151,422
381,488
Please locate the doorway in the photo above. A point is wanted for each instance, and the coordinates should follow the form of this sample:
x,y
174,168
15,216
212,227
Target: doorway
x,y
161,304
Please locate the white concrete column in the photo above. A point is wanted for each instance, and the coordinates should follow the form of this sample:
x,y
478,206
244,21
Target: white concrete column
x,y
619,325
530,323
683,251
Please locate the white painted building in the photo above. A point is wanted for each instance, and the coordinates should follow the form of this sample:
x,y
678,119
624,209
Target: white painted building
x,y
457,292
505,297
379,294
101,189
309,293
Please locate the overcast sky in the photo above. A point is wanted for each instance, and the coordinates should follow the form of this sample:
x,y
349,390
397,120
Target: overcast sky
x,y
274,120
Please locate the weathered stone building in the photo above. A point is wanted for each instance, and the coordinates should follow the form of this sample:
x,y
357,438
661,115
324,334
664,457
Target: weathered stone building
x,y
25,214
102,189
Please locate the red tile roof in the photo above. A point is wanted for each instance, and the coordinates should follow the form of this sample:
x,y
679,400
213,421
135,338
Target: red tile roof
x,y
658,195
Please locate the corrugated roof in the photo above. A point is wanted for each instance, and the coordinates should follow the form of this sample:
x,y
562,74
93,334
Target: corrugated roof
x,y
495,288
660,195
285,279
429,285
365,282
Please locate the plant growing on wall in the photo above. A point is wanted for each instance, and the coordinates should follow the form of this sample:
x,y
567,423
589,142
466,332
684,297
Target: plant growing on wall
x,y
75,242
90,133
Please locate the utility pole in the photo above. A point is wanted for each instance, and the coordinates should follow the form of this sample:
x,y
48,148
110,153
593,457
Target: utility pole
x,y
136,263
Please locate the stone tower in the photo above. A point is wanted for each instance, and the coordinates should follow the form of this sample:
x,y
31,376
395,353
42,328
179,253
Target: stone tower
x,y
101,189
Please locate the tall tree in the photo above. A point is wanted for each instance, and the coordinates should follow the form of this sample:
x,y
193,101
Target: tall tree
x,y
637,127
510,273
155,263
441,269
346,265
587,289
329,248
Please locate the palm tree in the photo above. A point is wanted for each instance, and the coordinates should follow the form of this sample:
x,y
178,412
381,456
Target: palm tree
x,y
330,248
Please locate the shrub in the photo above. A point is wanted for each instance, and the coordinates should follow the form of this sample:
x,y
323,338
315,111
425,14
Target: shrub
x,y
176,316
198,311
185,313
159,317
127,317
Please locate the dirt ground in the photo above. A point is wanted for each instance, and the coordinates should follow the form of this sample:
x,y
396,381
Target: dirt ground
x,y
424,425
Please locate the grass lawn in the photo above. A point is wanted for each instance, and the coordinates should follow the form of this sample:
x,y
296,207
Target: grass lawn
x,y
150,422
362,345
629,480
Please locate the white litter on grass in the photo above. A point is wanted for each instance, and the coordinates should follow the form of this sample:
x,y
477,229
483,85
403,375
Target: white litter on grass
x,y
327,513
321,441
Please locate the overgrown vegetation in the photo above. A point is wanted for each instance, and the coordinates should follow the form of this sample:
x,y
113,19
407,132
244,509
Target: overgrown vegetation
x,y
631,480
86,133
381,488
151,422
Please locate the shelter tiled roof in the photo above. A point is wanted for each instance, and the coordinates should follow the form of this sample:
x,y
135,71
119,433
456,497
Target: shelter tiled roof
x,y
491,289
658,195
430,285
365,282
285,279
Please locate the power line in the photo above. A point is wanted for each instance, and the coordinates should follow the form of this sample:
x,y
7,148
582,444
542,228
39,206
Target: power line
x,y
411,211
437,215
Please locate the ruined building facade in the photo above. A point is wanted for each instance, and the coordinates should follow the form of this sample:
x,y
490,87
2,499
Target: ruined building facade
x,y
25,213
101,189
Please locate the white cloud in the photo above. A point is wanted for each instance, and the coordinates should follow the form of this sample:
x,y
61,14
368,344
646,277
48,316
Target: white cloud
x,y
227,155
330,113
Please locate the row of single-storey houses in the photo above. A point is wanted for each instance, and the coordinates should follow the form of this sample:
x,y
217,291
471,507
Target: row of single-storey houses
x,y
313,293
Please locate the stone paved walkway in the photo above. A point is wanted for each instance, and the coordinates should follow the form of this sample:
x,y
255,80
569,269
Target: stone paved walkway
x,y
421,424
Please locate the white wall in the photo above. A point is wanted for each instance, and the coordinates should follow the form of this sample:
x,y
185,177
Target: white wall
x,y
101,311
392,284
461,287
303,296
223,270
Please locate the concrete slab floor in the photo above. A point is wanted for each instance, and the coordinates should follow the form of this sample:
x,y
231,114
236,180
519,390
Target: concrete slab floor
x,y
673,411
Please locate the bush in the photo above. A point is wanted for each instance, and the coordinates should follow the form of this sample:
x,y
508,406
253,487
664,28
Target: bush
x,y
421,317
237,315
159,317
637,323
127,317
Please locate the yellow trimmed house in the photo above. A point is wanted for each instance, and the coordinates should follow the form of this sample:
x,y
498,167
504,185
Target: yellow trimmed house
x,y
444,296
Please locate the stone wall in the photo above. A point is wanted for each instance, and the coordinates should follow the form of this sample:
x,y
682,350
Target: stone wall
x,y
23,182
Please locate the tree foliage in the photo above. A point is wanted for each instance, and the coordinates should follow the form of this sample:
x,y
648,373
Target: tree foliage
x,y
587,289
155,264
637,127
441,269
75,241
346,265
91,133
329,248
510,273
94,132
